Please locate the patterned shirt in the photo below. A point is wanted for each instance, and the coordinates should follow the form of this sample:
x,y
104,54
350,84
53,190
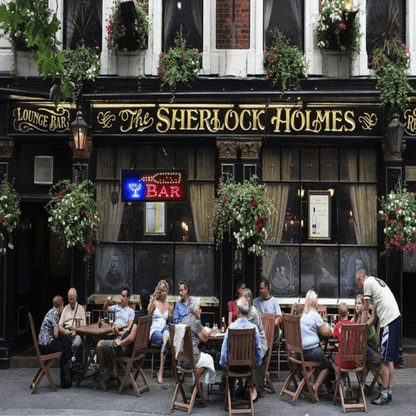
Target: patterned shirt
x,y
50,320
241,323
196,328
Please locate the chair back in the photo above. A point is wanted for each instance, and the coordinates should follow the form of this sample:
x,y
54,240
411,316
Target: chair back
x,y
241,347
142,335
35,338
186,356
267,320
353,342
293,335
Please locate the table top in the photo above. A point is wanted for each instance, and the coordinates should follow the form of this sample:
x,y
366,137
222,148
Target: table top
x,y
93,329
219,337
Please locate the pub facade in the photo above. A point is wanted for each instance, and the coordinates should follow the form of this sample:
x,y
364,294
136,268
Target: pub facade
x,y
324,153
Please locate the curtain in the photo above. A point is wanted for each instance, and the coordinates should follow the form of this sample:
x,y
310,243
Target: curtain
x,y
197,14
297,14
363,197
267,12
112,213
73,7
202,206
169,8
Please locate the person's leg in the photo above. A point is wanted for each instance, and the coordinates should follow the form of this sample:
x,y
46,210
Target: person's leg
x,y
158,338
317,354
101,357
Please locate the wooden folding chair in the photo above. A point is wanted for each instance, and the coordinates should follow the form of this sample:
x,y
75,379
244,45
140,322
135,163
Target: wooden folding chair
x,y
352,347
45,362
240,363
374,367
298,367
186,365
267,320
136,359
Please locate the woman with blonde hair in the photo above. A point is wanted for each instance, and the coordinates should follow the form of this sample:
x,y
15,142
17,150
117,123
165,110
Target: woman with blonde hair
x,y
160,310
312,326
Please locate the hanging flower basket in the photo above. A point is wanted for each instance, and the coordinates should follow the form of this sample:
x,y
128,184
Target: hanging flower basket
x,y
398,211
74,215
9,214
244,211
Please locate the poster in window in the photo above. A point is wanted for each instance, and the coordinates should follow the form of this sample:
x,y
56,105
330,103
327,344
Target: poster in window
x,y
155,218
319,215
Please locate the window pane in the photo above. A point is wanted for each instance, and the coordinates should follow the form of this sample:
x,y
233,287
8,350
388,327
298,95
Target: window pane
x,y
290,163
329,164
282,265
205,167
271,164
285,15
346,217
292,225
195,264
352,259
348,168
319,271
385,20
185,14
368,165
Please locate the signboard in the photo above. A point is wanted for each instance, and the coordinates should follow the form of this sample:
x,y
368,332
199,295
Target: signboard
x,y
153,185
319,224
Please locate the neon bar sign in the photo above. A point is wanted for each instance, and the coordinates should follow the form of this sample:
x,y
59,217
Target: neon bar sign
x,y
145,185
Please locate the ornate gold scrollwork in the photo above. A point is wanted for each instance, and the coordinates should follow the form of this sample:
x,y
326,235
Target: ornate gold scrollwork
x,y
368,121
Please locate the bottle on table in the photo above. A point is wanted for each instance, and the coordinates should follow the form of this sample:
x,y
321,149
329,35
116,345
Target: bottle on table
x,y
99,321
223,325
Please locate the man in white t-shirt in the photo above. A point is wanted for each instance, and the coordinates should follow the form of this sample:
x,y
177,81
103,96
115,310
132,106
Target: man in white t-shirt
x,y
266,303
389,316
123,314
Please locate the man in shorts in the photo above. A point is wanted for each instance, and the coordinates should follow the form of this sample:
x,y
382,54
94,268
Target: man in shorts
x,y
390,322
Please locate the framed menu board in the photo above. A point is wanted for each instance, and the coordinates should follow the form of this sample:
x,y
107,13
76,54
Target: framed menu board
x,y
319,215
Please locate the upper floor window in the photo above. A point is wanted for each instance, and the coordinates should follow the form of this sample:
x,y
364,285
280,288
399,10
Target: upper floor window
x,y
285,15
185,13
82,24
386,20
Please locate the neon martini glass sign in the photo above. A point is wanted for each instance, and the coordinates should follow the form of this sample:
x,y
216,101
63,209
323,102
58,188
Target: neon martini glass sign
x,y
166,185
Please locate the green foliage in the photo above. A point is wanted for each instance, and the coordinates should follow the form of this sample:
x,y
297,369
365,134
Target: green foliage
x,y
179,65
32,24
398,210
9,214
337,31
117,31
284,63
74,215
243,210
391,72
81,64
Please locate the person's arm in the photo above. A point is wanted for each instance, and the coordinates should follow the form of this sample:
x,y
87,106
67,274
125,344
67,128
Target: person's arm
x,y
258,352
373,319
152,305
176,316
108,303
230,317
366,308
128,340
56,331
223,357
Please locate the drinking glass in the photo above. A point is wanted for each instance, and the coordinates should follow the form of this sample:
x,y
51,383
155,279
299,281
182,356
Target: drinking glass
x,y
88,314
111,318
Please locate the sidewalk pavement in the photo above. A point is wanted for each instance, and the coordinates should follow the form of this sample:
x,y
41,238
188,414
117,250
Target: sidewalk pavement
x,y
89,399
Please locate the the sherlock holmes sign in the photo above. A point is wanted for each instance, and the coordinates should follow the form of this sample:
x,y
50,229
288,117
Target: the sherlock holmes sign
x,y
307,119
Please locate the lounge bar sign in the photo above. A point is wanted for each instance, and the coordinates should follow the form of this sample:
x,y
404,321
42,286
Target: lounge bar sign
x,y
153,185
33,118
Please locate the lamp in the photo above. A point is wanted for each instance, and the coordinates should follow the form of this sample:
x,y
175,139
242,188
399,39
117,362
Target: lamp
x,y
394,134
79,130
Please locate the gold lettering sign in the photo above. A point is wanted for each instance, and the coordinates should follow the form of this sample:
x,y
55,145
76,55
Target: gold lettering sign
x,y
410,122
30,119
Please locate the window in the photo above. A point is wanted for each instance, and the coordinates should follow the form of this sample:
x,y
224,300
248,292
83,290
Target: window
x,y
285,15
296,263
82,23
185,14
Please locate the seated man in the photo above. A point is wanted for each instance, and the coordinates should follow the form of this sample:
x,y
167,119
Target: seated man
x,y
123,313
242,322
181,307
123,344
50,340
67,321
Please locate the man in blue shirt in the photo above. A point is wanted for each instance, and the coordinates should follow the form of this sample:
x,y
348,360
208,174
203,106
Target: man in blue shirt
x,y
242,322
181,307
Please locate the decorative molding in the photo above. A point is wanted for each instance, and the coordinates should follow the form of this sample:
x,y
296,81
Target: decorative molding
x,y
79,172
250,148
6,147
81,154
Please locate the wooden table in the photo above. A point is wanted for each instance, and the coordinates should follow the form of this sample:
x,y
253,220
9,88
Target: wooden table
x,y
96,334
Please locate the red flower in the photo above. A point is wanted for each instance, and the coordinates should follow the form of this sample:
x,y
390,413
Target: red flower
x,y
61,192
398,209
270,74
410,193
382,196
253,202
91,217
225,198
391,222
220,187
384,216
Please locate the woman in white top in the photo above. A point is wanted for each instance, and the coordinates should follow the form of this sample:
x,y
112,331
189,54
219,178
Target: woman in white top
x,y
312,325
160,310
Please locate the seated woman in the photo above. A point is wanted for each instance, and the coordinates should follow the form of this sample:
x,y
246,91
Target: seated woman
x,y
193,319
160,310
232,306
312,326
